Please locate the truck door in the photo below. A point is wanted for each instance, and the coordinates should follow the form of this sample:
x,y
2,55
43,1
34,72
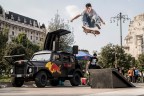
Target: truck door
x,y
56,64
68,65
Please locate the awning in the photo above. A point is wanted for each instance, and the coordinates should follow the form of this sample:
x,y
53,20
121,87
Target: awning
x,y
83,55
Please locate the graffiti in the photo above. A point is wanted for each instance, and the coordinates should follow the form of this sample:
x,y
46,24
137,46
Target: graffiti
x,y
53,67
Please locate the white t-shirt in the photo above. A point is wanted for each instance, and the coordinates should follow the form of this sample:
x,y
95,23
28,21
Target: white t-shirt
x,y
90,14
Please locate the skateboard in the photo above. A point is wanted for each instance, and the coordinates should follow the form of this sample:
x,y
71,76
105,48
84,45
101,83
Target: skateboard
x,y
91,30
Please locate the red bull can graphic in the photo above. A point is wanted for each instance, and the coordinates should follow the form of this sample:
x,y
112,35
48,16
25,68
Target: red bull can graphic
x,y
53,67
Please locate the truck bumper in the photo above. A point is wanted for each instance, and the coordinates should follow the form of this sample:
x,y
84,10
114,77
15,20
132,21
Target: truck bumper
x,y
22,75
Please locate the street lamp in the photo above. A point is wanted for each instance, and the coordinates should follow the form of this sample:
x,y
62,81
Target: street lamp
x,y
118,18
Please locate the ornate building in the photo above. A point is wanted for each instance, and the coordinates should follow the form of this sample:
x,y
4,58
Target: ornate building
x,y
134,41
16,23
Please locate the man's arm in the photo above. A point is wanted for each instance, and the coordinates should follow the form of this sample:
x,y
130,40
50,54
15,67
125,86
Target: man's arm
x,y
75,17
102,20
94,12
87,65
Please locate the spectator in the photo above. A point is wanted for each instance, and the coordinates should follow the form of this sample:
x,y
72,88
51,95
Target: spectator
x,y
130,74
136,75
92,63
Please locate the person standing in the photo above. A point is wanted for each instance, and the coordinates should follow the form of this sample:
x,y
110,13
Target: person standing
x,y
136,74
131,74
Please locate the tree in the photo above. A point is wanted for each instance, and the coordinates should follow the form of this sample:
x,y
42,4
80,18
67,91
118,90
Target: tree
x,y
12,49
141,62
58,23
3,42
23,40
112,56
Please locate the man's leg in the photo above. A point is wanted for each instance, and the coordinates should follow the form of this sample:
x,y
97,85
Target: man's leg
x,y
84,20
86,23
96,21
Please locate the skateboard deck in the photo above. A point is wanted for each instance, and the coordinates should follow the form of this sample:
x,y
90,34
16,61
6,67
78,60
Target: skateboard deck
x,y
91,30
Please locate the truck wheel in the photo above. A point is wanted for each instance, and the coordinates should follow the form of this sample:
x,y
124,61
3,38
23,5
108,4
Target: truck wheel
x,y
75,80
41,79
54,82
17,82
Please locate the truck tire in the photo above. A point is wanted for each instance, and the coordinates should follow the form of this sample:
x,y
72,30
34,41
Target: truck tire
x,y
54,82
75,80
17,82
41,79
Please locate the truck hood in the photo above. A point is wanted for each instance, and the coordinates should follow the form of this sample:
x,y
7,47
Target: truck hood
x,y
11,59
54,36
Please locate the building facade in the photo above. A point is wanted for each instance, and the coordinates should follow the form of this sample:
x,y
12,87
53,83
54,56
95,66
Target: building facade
x,y
16,23
134,41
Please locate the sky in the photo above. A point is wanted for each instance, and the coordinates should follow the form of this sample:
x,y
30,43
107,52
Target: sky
x,y
45,10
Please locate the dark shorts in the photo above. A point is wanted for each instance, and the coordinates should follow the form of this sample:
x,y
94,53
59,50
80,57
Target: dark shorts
x,y
94,67
88,21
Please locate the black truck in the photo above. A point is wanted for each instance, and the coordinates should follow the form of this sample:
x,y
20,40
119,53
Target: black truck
x,y
49,64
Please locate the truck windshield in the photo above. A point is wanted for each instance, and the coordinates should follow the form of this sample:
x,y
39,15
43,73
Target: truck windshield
x,y
41,57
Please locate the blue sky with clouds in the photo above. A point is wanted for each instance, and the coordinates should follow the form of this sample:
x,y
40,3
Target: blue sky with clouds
x,y
44,10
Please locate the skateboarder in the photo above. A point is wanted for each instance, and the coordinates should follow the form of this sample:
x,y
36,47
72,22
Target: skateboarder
x,y
90,19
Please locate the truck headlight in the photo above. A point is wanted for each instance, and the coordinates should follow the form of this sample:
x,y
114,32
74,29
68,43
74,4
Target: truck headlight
x,y
11,71
30,70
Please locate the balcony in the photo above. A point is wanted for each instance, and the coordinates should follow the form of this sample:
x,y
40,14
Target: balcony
x,y
21,24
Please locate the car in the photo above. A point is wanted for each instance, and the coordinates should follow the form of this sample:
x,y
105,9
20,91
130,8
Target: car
x,y
49,64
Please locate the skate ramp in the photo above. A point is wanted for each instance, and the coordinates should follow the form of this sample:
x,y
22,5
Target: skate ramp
x,y
108,78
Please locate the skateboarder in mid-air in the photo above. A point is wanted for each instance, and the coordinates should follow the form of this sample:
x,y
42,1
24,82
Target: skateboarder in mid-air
x,y
91,20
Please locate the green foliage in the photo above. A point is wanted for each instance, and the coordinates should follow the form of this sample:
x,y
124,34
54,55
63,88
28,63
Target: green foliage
x,y
23,40
3,40
11,49
5,78
20,45
14,49
112,56
58,23
3,37
141,58
140,62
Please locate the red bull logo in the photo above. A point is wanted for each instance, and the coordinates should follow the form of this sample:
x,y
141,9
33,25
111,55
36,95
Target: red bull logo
x,y
53,67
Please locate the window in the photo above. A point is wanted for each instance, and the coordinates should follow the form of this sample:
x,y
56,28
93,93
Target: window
x,y
12,17
66,58
41,57
12,32
72,59
31,37
19,29
34,23
19,19
36,38
25,20
30,22
56,57
15,28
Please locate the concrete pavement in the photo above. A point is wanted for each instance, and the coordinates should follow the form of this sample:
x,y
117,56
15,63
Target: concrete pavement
x,y
72,91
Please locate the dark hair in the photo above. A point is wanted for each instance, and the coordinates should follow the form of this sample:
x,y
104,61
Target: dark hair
x,y
94,54
88,5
